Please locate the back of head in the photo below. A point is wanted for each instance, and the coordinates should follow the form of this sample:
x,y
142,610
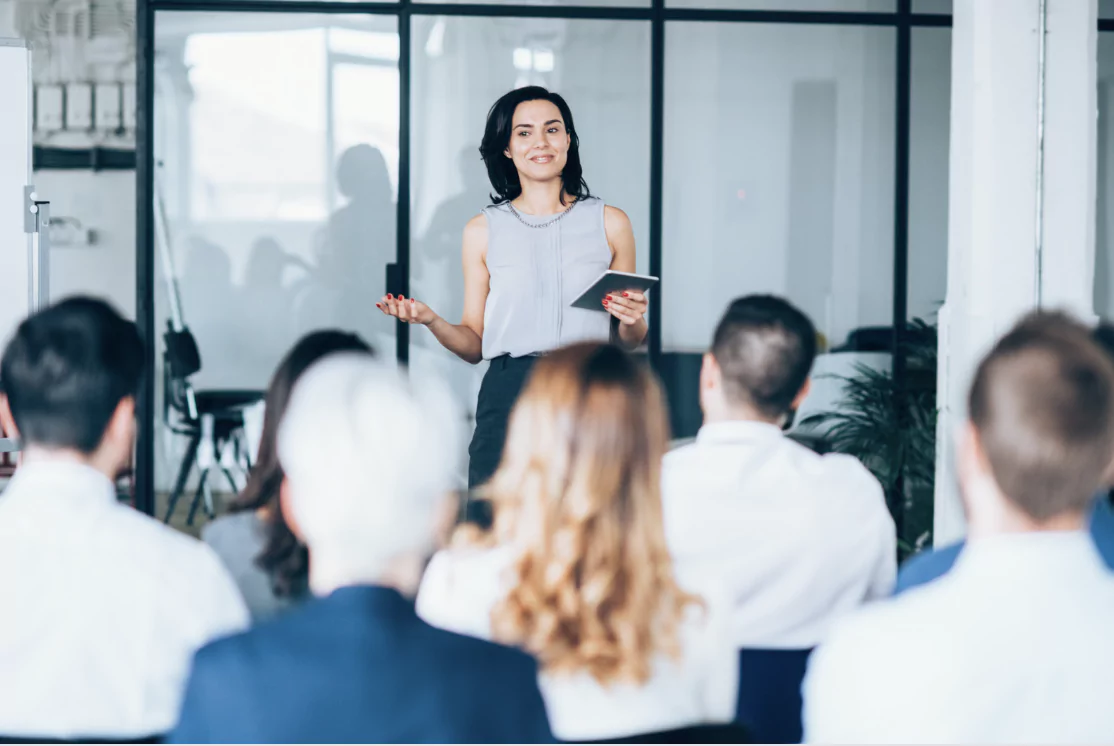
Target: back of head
x,y
764,347
369,454
66,370
1042,403
578,491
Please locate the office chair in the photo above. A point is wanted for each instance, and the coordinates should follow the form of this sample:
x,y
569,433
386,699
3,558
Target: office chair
x,y
769,703
212,420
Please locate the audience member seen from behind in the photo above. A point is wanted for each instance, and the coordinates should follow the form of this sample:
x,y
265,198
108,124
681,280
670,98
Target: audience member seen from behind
x,y
368,459
934,563
1014,644
267,561
103,606
797,538
578,572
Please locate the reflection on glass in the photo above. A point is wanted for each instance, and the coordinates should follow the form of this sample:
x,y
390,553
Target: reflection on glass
x,y
778,174
280,164
277,136
929,132
778,179
935,6
460,67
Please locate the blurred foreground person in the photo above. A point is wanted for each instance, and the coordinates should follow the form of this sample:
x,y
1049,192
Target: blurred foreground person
x,y
576,570
1014,644
368,458
103,606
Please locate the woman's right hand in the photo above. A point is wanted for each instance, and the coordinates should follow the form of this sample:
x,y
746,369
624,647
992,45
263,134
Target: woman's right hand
x,y
406,309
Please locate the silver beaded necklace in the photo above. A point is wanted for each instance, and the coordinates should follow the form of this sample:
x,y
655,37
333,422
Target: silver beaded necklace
x,y
546,223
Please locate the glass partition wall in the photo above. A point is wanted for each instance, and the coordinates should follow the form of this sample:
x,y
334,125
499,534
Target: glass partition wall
x,y
312,156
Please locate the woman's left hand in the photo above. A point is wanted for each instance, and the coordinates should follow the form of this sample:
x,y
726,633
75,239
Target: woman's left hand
x,y
628,306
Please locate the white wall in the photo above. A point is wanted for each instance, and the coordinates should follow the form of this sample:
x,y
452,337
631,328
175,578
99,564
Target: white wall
x,y
15,155
103,203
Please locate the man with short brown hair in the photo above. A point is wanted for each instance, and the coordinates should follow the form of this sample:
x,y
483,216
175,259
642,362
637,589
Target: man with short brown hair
x,y
1014,644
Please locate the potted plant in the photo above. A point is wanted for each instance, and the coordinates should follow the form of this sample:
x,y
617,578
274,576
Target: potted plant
x,y
891,427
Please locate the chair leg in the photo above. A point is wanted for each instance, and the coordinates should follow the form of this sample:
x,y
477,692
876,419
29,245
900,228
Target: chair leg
x,y
210,506
231,480
197,496
183,474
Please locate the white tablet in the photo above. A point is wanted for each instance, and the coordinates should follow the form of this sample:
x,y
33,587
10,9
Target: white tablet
x,y
610,283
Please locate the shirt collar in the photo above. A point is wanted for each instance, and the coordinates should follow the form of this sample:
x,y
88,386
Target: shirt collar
x,y
1055,553
734,431
46,477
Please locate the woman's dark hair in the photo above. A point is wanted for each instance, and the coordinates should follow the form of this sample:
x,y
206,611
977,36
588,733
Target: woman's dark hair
x,y
497,137
284,557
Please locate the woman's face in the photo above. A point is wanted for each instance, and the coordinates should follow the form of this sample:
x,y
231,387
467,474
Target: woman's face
x,y
539,143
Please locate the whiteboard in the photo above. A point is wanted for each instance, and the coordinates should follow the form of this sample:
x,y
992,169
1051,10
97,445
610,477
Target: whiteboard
x,y
15,174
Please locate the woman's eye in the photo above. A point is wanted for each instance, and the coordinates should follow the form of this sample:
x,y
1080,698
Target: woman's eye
x,y
523,133
553,130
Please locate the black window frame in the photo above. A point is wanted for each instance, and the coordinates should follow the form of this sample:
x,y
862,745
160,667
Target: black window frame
x,y
902,19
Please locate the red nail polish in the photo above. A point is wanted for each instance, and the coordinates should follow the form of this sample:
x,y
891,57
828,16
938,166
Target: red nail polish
x,y
390,297
605,303
626,295
378,305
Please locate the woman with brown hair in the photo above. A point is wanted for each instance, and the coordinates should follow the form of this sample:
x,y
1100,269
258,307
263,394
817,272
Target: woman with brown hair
x,y
575,568
268,563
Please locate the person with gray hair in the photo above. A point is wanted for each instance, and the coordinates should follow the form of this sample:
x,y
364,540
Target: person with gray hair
x,y
368,458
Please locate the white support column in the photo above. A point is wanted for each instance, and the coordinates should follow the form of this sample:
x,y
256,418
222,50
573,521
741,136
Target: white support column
x,y
1070,157
994,260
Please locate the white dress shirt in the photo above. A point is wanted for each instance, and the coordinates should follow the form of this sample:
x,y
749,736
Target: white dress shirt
x,y
462,586
103,608
1014,645
797,539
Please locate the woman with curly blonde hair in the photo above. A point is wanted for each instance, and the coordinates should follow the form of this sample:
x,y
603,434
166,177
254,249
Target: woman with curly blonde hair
x,y
576,570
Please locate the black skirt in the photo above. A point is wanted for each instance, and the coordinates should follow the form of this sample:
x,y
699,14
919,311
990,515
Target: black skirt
x,y
501,386
499,391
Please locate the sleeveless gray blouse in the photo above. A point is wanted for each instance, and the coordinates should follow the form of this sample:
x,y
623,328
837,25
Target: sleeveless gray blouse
x,y
536,273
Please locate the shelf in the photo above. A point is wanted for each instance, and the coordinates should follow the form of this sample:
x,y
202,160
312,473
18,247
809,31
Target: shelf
x,y
84,159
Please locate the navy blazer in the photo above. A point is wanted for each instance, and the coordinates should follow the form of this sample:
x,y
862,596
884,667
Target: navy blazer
x,y
360,666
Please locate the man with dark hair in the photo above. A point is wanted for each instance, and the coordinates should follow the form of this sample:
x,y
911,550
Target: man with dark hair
x,y
104,607
1014,644
764,348
930,565
797,538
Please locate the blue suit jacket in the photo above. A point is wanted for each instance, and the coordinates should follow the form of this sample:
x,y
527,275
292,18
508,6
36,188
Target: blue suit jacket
x,y
360,666
927,566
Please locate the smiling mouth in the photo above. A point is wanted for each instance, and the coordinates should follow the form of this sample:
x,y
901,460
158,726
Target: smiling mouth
x,y
542,159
